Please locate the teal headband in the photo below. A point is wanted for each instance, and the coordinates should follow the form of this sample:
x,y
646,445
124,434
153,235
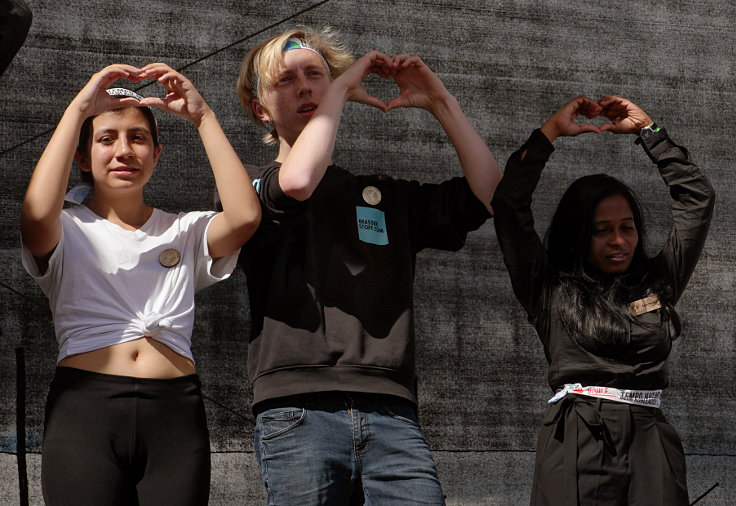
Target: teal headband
x,y
292,43
295,43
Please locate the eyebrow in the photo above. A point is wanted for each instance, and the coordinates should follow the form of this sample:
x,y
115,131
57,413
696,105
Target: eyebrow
x,y
134,129
305,66
631,218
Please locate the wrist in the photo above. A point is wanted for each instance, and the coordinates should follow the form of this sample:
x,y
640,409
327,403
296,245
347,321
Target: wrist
x,y
647,131
207,116
337,94
550,131
443,105
74,117
77,110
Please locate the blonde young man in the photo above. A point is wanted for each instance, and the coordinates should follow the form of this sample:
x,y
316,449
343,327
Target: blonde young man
x,y
330,276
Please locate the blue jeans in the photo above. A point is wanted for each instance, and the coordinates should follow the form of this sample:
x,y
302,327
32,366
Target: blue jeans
x,y
339,448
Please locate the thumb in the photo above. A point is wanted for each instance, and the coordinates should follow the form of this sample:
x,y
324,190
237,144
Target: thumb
x,y
361,96
398,102
375,102
153,102
125,102
588,127
609,127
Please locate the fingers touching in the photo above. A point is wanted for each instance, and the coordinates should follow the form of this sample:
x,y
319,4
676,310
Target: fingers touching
x,y
623,117
417,85
181,98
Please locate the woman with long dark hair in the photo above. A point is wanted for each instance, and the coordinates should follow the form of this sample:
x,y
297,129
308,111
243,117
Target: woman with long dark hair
x,y
604,311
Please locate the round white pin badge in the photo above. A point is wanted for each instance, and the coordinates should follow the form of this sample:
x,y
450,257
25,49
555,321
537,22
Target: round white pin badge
x,y
372,195
169,257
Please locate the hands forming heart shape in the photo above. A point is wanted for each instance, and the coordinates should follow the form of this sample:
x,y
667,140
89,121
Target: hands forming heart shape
x,y
182,98
418,85
624,117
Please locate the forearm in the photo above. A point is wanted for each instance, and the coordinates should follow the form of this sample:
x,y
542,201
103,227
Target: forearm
x,y
44,198
550,131
523,252
476,160
513,198
692,200
690,190
241,210
311,153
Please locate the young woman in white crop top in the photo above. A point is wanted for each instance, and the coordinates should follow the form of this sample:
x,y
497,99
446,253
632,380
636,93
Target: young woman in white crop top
x,y
124,419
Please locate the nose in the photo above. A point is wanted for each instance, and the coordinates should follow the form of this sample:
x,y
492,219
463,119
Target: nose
x,y
122,148
303,85
616,238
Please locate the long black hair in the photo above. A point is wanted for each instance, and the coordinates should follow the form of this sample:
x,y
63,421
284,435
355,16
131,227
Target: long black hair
x,y
594,305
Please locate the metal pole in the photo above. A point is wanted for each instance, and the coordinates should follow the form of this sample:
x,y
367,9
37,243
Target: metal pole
x,y
20,424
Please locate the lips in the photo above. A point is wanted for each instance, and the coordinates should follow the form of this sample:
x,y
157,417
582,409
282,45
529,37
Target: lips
x,y
124,170
307,109
617,257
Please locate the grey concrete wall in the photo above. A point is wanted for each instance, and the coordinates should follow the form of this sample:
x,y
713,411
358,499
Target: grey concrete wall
x,y
511,63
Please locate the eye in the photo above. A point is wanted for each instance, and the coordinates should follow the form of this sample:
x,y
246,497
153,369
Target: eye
x,y
599,231
285,79
105,139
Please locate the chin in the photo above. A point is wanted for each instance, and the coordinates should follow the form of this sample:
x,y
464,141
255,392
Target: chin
x,y
617,269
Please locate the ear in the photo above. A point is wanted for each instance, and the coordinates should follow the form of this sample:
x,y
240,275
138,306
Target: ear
x,y
156,154
83,161
260,111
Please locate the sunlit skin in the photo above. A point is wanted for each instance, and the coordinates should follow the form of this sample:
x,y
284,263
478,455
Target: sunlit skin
x,y
301,83
614,237
121,157
121,154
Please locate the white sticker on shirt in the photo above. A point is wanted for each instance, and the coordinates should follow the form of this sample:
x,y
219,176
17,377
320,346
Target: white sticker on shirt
x,y
645,305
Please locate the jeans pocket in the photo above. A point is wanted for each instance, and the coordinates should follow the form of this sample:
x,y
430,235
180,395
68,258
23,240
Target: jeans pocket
x,y
275,422
403,411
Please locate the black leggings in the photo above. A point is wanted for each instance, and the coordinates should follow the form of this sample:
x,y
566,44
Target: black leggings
x,y
118,440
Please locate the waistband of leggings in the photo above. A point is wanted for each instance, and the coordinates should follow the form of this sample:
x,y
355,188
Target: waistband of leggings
x,y
72,374
647,398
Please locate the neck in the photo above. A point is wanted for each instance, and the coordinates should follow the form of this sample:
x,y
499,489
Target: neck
x,y
128,213
284,150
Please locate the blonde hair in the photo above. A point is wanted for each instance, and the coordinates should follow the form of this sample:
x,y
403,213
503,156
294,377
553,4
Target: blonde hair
x,y
261,65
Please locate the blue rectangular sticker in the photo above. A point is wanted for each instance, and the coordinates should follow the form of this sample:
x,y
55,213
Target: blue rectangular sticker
x,y
371,225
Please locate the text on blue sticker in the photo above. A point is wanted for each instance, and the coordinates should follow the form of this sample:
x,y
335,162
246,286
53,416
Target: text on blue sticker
x,y
371,225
